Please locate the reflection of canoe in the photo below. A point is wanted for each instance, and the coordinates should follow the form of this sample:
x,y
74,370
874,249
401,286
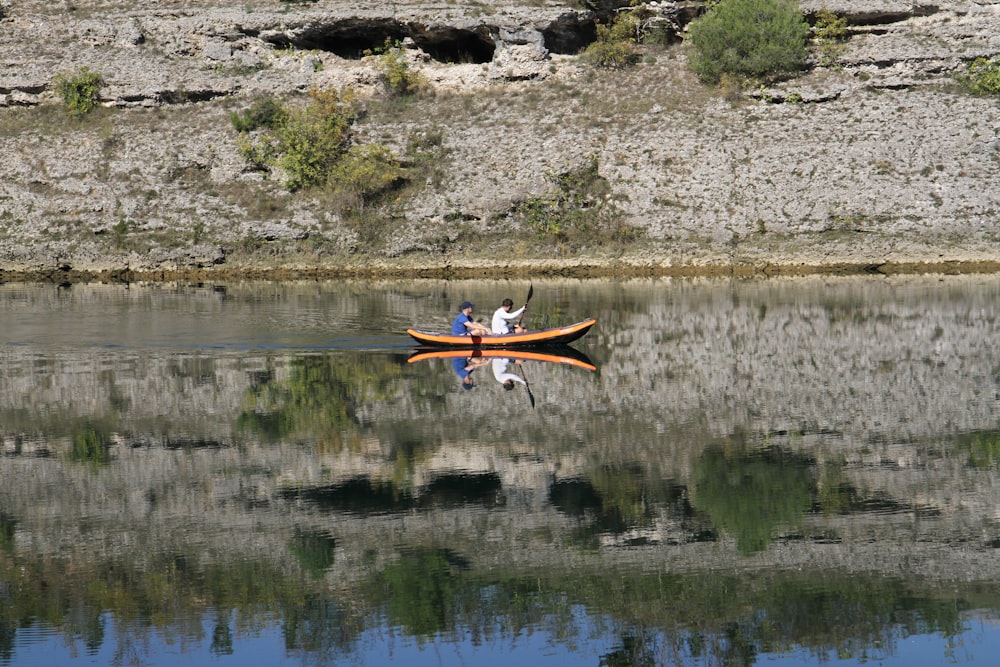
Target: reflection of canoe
x,y
558,354
554,336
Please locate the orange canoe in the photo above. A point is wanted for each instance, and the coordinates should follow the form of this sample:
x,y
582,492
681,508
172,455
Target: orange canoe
x,y
536,338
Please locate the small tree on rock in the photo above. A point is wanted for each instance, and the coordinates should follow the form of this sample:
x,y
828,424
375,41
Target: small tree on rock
x,y
79,90
752,39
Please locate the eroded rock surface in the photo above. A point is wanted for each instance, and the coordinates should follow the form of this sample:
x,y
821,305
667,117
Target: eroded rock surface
x,y
876,159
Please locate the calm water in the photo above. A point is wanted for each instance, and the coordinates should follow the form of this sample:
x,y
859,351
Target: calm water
x,y
791,472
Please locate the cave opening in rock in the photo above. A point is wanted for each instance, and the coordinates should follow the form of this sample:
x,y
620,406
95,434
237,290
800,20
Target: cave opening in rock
x,y
351,44
353,39
456,46
569,35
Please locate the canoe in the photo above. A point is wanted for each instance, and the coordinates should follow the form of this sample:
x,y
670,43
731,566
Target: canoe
x,y
559,354
536,338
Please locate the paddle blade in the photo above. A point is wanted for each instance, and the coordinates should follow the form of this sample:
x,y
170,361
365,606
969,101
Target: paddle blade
x,y
531,290
531,397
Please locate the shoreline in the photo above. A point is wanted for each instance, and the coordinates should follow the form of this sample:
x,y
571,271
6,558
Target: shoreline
x,y
503,272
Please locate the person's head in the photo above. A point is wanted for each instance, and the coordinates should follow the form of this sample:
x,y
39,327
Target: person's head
x,y
468,382
466,306
507,304
508,385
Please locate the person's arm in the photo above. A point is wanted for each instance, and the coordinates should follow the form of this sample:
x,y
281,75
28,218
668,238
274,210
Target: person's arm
x,y
513,315
503,377
476,327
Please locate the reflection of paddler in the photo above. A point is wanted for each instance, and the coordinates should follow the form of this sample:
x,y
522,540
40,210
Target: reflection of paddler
x,y
463,368
502,376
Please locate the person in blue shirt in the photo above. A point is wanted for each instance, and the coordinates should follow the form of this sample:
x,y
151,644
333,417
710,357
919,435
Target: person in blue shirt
x,y
464,325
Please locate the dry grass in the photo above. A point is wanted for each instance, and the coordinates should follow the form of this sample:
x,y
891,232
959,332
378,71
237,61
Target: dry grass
x,y
573,94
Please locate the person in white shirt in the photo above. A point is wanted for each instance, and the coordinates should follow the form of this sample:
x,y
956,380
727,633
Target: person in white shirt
x,y
502,376
503,316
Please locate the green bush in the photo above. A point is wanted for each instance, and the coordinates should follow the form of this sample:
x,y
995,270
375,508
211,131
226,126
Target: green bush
x,y
312,139
755,39
266,113
303,142
90,445
364,173
616,43
312,147
982,76
830,27
830,32
79,90
576,209
394,71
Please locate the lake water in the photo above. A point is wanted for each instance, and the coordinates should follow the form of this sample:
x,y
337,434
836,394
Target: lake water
x,y
790,472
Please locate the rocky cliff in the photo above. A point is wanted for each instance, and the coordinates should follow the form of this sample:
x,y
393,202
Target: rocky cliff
x,y
874,158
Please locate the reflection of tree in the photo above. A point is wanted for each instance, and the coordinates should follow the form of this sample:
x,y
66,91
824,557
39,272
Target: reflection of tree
x,y
166,590
318,626
8,633
717,618
222,635
314,551
836,493
8,530
635,649
422,590
90,445
983,448
752,494
319,399
94,632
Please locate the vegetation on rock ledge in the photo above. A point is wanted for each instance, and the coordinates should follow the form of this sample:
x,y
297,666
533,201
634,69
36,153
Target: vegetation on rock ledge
x,y
312,147
754,39
982,76
79,90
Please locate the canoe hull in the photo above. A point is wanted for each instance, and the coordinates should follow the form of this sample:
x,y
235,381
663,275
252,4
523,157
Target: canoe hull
x,y
537,338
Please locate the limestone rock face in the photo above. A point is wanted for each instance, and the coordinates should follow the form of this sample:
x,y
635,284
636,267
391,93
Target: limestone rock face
x,y
873,157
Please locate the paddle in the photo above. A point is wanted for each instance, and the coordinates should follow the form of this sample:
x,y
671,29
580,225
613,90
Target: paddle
x,y
531,290
531,397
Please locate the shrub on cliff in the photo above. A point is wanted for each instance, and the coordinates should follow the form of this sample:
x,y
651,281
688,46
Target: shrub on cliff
x,y
311,146
616,43
394,71
79,90
363,173
313,138
982,76
753,39
830,33
578,209
266,113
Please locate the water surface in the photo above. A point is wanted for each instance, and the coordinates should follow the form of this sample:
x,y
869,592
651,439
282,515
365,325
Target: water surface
x,y
788,471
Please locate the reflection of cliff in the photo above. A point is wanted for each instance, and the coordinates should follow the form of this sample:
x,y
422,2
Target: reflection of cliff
x,y
468,536
363,497
885,387
738,507
454,556
863,364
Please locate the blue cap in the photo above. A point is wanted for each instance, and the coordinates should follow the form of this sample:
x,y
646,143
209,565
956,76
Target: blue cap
x,y
466,304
